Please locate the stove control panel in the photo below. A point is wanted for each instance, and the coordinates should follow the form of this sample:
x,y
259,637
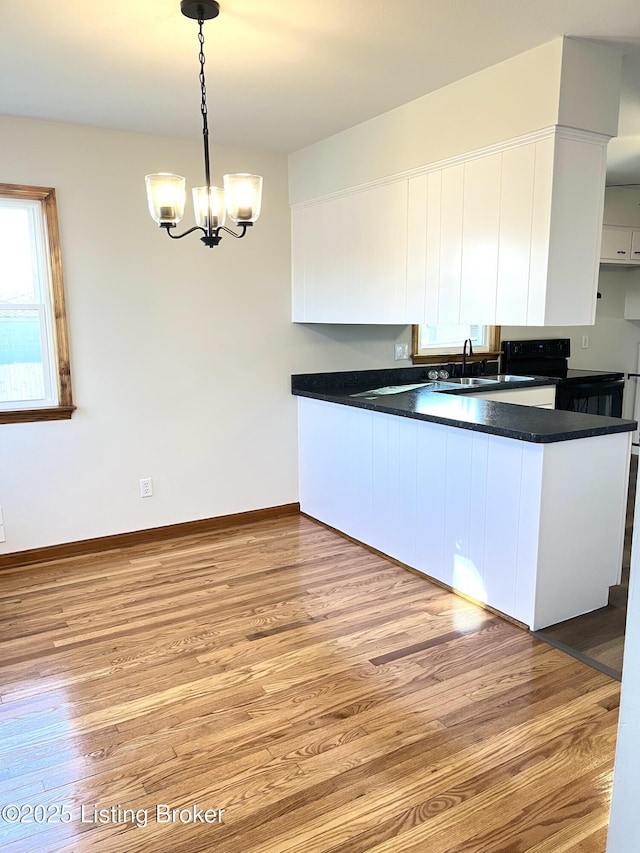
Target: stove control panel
x,y
544,348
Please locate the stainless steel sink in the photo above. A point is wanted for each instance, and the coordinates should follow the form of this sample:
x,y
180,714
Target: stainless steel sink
x,y
473,380
450,383
489,380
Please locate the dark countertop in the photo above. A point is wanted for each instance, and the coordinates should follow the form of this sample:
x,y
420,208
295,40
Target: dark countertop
x,y
456,406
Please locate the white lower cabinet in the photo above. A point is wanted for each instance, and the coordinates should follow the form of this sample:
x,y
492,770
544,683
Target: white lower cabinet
x,y
540,396
533,530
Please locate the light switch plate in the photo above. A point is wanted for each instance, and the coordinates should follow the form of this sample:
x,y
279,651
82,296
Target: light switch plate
x,y
401,352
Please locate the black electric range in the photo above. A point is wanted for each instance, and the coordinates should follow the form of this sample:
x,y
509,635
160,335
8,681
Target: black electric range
x,y
596,392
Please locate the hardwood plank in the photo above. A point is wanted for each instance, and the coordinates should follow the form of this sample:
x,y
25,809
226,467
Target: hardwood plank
x,y
326,698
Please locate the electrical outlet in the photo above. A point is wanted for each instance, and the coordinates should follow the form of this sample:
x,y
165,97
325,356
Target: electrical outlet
x,y
400,352
3,538
585,341
146,487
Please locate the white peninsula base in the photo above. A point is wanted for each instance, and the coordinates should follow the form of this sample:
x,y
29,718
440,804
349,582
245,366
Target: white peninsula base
x,y
535,531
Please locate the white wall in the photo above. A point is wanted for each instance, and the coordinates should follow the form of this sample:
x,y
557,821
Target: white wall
x,y
180,355
565,82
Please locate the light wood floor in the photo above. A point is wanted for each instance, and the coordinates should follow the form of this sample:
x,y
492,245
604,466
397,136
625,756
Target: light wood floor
x,y
327,699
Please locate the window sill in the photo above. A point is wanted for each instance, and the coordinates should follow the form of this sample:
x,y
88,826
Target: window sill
x,y
52,413
454,358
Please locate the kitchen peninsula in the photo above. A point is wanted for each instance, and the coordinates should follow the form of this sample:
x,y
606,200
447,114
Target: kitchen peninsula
x,y
519,507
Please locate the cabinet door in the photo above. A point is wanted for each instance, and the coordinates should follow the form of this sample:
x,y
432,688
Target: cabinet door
x,y
616,244
516,220
349,258
480,233
635,247
451,208
318,249
376,255
423,250
538,396
417,245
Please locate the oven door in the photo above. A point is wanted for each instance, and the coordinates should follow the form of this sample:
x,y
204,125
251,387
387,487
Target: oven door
x,y
592,398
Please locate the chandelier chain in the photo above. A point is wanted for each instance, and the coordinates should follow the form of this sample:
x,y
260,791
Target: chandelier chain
x,y
201,58
205,124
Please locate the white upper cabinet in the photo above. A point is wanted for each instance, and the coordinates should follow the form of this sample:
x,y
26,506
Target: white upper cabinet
x,y
621,230
509,236
620,245
616,244
349,261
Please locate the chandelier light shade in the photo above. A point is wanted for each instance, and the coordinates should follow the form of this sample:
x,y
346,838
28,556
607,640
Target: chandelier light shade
x,y
241,195
213,206
165,194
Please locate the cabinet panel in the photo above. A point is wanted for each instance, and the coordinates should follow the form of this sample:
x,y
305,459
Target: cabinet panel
x,y
516,216
417,245
504,465
298,235
350,258
385,498
469,577
451,204
540,230
431,485
575,234
318,274
616,244
432,280
480,236
359,472
542,396
457,503
410,534
635,247
528,532
375,274
322,459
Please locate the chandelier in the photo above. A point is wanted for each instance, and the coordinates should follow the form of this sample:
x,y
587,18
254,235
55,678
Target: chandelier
x,y
241,195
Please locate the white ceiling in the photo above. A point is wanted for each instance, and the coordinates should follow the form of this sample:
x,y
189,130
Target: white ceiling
x,y
281,75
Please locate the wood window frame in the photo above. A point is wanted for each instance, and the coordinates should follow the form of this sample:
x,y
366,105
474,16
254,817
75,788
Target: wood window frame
x,y
453,358
64,408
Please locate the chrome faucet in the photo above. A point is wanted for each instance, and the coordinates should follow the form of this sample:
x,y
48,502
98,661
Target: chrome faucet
x,y
464,355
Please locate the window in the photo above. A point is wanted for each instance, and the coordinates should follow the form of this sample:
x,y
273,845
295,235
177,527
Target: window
x,y
35,380
444,343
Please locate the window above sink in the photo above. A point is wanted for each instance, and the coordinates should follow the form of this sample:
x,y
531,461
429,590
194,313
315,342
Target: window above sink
x,y
433,344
